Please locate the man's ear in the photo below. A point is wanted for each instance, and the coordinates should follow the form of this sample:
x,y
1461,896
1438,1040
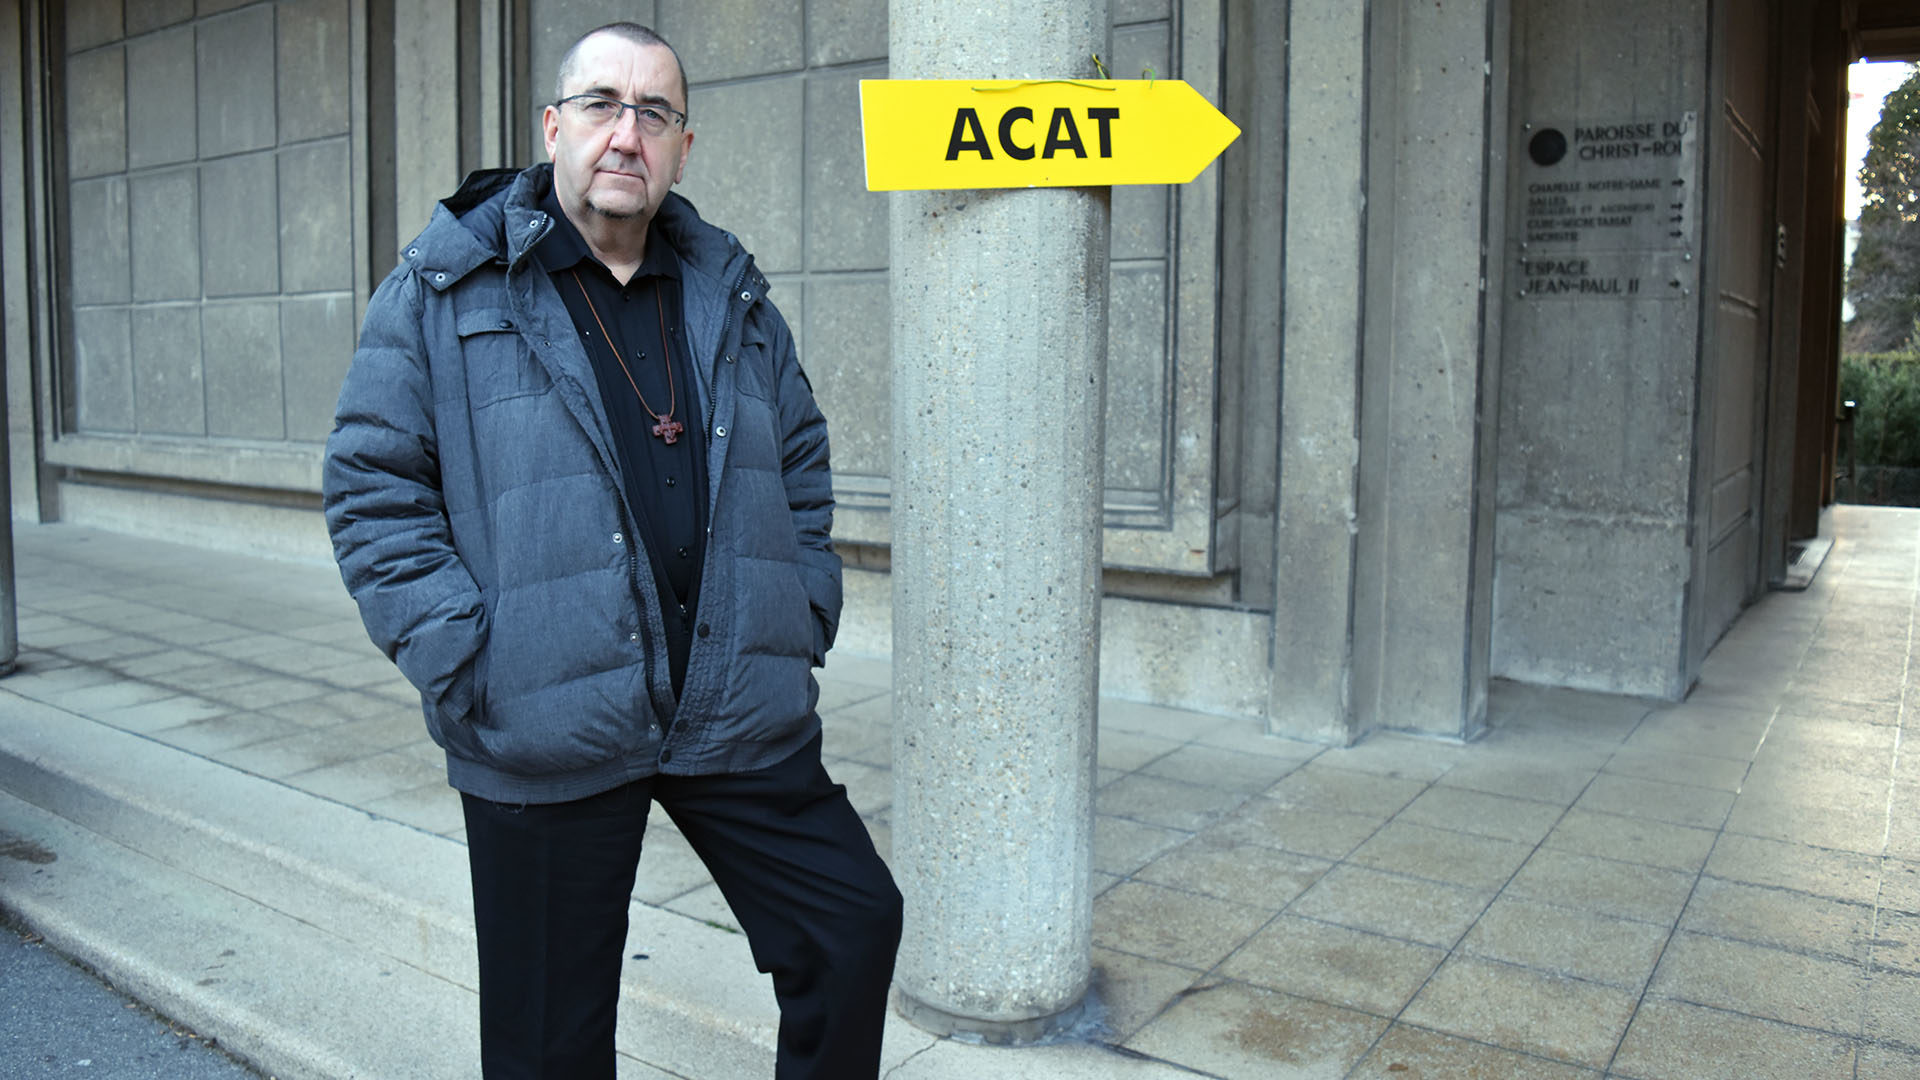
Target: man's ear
x,y
686,151
550,127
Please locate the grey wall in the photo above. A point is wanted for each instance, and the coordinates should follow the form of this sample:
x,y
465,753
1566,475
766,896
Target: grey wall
x,y
1598,394
232,178
211,233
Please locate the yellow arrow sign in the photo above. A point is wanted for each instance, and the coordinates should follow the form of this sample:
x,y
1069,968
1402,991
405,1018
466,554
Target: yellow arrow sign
x,y
979,133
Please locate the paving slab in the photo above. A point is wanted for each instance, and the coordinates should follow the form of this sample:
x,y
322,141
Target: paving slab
x,y
209,737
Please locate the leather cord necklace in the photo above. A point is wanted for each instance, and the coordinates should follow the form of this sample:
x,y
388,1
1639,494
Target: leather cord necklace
x,y
664,425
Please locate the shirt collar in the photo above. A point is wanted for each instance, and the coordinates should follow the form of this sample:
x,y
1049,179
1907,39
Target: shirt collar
x,y
563,248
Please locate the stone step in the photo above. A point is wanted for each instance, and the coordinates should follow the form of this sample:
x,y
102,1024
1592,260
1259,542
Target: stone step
x,y
377,913
315,940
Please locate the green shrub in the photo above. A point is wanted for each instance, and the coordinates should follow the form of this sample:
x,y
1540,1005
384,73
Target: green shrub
x,y
1886,389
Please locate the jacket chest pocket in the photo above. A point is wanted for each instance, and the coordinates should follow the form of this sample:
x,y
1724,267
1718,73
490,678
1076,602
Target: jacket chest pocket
x,y
498,363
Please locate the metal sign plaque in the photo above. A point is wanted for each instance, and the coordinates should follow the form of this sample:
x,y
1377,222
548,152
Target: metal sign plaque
x,y
1602,202
1606,275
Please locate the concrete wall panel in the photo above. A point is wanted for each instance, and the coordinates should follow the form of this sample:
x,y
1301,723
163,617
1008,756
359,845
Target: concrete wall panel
x,y
313,69
97,212
237,152
103,369
316,345
1205,659
239,226
1599,413
316,217
1132,11
728,41
846,31
746,166
161,114
847,358
97,113
846,224
1598,396
555,26
1137,379
790,296
236,59
241,342
165,234
215,7
426,85
1140,210
169,396
93,22
1613,627
145,15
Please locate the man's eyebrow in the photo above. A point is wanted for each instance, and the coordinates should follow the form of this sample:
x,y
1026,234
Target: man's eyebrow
x,y
645,99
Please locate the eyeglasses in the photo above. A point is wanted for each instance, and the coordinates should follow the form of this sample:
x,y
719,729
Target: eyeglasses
x,y
598,111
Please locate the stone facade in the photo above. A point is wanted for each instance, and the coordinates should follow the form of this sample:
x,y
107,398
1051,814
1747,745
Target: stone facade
x,y
1348,475
210,226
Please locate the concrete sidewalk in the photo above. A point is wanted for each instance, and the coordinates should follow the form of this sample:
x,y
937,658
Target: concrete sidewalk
x,y
250,828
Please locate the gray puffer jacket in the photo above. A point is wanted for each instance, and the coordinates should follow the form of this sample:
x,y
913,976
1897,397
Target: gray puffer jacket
x,y
479,520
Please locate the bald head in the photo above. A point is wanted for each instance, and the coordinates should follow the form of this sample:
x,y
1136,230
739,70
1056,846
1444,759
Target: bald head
x,y
629,31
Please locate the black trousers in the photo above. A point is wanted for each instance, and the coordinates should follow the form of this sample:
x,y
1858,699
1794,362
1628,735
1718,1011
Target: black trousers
x,y
551,884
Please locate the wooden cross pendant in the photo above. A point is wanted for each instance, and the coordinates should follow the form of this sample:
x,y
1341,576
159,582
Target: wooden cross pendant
x,y
668,429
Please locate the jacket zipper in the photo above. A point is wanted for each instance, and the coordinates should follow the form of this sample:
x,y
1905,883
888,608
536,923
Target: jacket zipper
x,y
713,393
633,542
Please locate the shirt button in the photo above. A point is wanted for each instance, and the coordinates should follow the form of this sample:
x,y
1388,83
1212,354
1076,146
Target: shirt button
x,y
671,481
683,553
705,630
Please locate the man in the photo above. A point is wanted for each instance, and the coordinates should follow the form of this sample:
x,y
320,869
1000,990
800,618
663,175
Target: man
x,y
578,486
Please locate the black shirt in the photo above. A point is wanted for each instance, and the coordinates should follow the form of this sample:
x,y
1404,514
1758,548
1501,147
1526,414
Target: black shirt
x,y
665,482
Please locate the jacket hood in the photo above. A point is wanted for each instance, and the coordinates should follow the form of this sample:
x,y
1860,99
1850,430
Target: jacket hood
x,y
496,216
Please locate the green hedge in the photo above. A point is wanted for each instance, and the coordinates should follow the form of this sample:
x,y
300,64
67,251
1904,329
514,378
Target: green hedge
x,y
1886,387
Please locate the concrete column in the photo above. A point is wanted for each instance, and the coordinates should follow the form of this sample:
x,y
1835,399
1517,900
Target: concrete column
x,y
1436,179
1323,275
999,347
